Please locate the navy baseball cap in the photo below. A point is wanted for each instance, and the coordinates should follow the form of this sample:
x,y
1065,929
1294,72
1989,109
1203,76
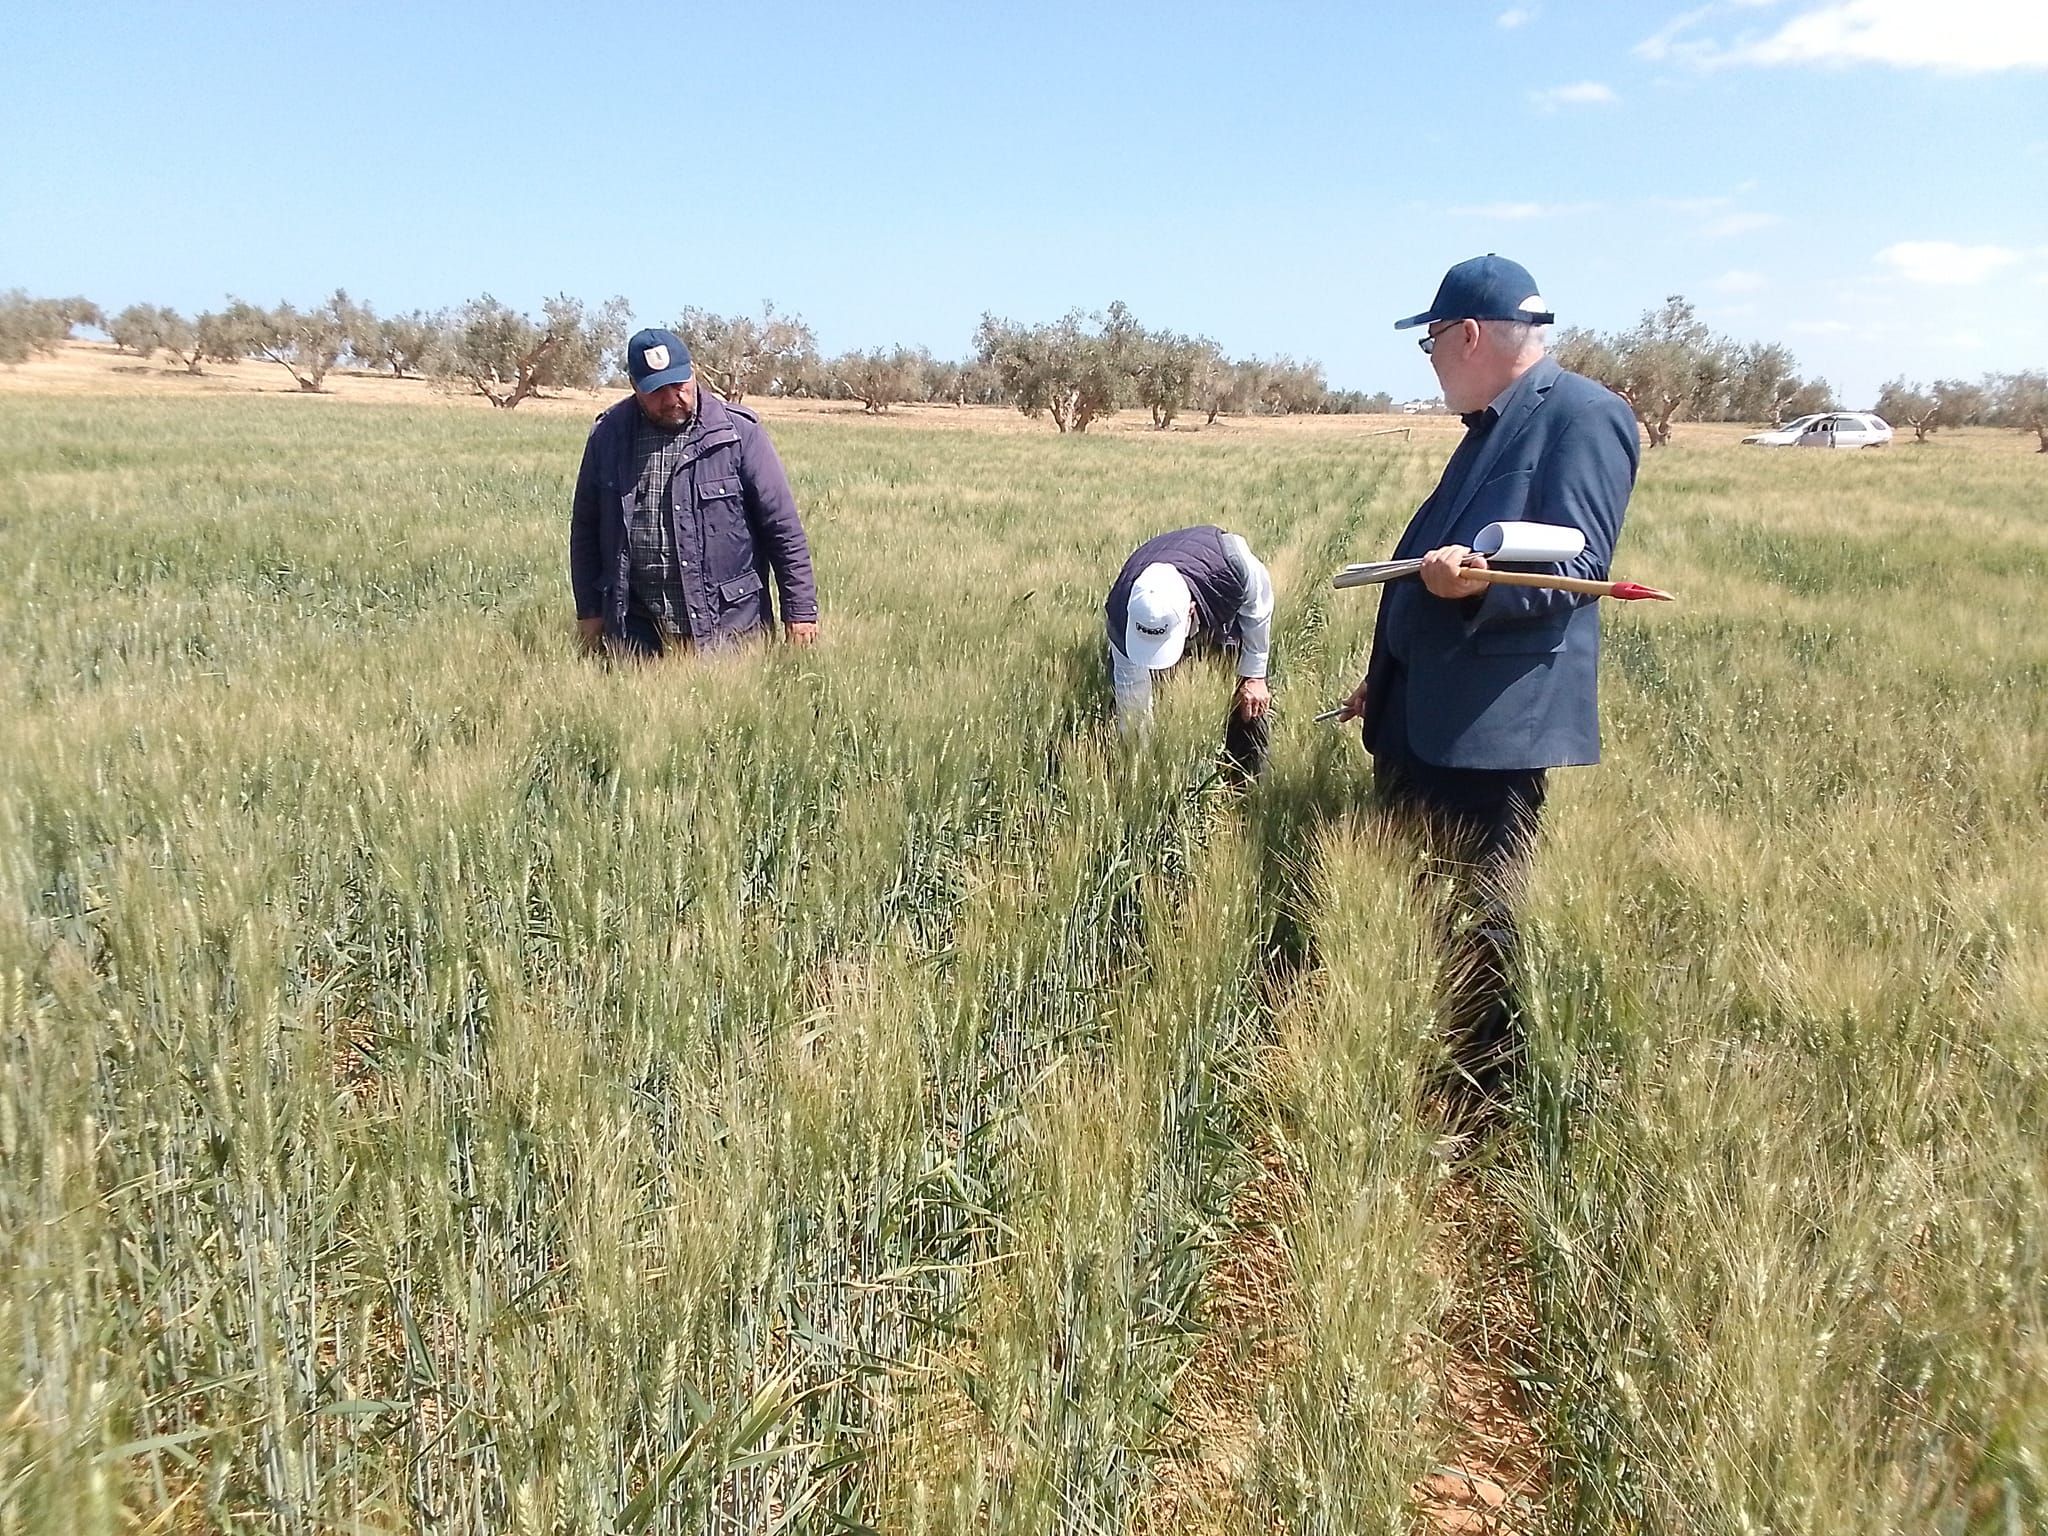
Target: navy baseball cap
x,y
655,358
1487,287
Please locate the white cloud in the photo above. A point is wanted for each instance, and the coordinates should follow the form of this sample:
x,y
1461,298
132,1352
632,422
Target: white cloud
x,y
1696,207
1739,224
1585,93
1515,16
1514,212
1668,40
1821,327
1957,36
1739,281
1943,263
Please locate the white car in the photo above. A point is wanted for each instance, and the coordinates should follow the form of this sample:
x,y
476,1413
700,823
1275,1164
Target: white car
x,y
1827,429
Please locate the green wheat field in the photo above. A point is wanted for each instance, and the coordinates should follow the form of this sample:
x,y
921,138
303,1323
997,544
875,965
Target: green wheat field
x,y
452,1087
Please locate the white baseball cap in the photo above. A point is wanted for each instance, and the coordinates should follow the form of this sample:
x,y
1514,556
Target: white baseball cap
x,y
1156,626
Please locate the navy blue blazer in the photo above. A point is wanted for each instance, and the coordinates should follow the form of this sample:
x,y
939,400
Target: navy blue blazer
x,y
1508,680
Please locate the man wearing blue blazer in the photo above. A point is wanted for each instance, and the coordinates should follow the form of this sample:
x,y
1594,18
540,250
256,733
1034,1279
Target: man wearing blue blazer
x,y
1473,692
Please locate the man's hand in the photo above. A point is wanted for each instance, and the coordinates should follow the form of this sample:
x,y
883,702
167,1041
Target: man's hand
x,y
801,633
1354,706
1440,569
1254,698
590,635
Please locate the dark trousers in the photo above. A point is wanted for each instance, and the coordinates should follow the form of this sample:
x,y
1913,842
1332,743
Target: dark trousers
x,y
1478,827
1245,745
642,638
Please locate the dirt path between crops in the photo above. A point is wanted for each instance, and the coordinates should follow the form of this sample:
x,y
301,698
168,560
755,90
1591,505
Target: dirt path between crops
x,y
1491,1479
1251,1342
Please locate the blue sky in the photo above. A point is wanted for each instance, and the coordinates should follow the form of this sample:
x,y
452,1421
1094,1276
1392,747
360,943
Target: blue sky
x,y
1860,179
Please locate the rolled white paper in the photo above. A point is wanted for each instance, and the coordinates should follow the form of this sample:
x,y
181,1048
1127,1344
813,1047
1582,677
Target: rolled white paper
x,y
1529,543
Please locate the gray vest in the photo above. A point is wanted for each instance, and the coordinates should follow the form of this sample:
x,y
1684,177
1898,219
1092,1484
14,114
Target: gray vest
x,y
1197,553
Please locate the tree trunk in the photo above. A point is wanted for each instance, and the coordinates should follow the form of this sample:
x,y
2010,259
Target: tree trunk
x,y
285,363
482,386
1642,416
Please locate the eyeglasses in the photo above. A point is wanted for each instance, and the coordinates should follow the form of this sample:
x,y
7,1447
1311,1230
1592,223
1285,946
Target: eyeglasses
x,y
1428,343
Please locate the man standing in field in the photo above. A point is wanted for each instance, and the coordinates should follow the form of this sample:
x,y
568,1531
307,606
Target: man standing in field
x,y
1474,692
682,513
1204,585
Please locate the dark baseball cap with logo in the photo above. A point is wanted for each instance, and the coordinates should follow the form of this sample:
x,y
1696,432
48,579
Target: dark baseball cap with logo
x,y
1487,287
656,357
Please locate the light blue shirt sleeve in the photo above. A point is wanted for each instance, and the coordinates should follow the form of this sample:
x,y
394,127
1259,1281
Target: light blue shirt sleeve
x,y
1255,615
1132,685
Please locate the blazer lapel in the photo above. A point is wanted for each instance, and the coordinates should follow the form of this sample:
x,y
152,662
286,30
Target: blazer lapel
x,y
1511,426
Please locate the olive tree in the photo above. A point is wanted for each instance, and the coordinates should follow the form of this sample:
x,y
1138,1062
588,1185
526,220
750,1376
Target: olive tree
x,y
1291,387
146,329
1167,370
1224,387
31,326
2021,400
507,356
1356,402
138,329
1073,370
402,343
1963,404
1667,367
1763,379
1910,405
306,343
878,378
738,355
1813,396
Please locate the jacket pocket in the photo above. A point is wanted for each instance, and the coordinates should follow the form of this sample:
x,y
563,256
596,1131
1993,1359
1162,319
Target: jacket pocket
x,y
717,490
1519,640
739,588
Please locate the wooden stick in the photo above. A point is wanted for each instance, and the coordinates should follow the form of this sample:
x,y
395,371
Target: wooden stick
x,y
1626,590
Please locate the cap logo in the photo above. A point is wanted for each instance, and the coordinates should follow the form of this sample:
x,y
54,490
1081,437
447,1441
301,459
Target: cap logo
x,y
656,358
1147,629
1533,304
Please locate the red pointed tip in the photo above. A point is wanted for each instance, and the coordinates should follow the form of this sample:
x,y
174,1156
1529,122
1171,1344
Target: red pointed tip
x,y
1630,591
